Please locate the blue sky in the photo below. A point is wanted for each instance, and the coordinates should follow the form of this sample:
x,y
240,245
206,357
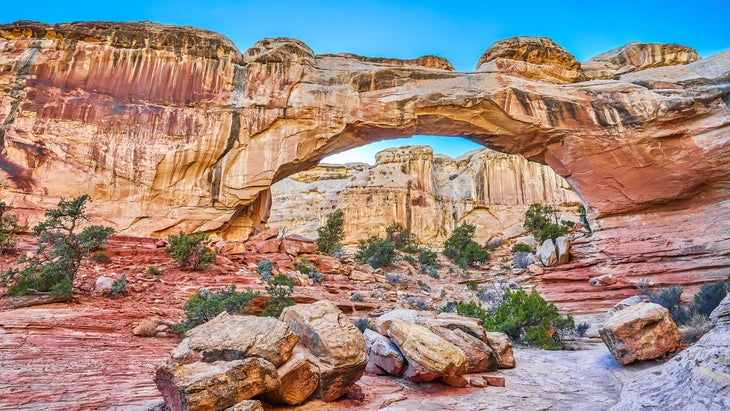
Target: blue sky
x,y
460,31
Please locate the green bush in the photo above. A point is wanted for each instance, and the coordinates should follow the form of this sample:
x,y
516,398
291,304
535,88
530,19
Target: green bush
x,y
401,238
410,260
61,249
376,251
330,236
265,267
204,305
709,297
363,323
521,247
100,257
525,318
119,286
8,227
461,248
542,222
584,219
152,270
426,256
189,252
357,297
472,285
304,267
280,290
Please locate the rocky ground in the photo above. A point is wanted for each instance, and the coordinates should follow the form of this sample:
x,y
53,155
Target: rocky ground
x,y
83,355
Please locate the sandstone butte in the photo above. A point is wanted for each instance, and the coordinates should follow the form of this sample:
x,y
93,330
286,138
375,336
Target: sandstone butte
x,y
173,128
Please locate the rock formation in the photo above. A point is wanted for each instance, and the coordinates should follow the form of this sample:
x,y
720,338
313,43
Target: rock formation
x,y
697,378
172,128
427,193
640,332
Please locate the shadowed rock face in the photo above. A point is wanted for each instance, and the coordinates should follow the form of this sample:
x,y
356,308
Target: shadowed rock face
x,y
173,128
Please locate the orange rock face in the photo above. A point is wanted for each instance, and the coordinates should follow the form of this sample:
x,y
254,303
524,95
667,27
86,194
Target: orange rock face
x,y
172,128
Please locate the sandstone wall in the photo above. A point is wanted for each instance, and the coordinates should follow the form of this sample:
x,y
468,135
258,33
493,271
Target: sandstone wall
x,y
172,128
412,187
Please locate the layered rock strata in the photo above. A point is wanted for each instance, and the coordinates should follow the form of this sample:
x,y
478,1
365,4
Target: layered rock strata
x,y
172,128
430,194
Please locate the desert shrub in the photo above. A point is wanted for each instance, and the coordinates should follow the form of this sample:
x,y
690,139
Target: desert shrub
x,y
581,328
669,298
376,251
280,289
100,257
431,271
265,267
417,303
542,222
529,319
304,267
401,238
426,256
410,260
522,259
188,250
8,228
584,219
525,318
61,249
204,305
331,234
695,327
363,323
119,286
395,278
462,249
472,285
152,270
423,286
709,297
521,248
356,297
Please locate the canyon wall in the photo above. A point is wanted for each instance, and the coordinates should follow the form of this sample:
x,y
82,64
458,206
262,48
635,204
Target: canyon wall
x,y
430,194
172,128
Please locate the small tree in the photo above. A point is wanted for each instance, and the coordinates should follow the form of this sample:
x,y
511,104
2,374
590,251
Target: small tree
x,y
330,235
188,251
376,251
8,227
280,289
543,223
401,238
205,305
461,247
60,251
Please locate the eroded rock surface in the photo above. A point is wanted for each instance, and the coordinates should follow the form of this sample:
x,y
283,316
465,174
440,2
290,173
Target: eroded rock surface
x,y
640,332
84,111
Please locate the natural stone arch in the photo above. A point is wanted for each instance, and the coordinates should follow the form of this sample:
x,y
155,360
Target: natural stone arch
x,y
172,128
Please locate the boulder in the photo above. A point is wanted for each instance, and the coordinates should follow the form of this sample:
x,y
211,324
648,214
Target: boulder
x,y
247,405
234,337
640,332
330,336
548,254
146,328
265,235
298,378
329,265
480,356
562,247
384,357
502,346
382,324
429,356
266,246
214,386
103,285
296,244
452,321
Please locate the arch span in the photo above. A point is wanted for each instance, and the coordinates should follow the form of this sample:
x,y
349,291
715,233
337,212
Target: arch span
x,y
172,128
